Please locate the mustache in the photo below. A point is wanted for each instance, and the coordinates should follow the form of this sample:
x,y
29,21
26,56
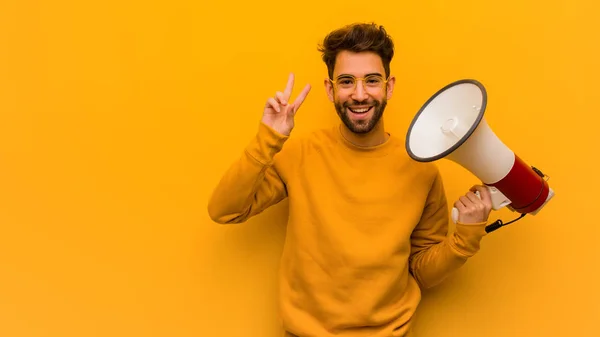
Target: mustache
x,y
351,103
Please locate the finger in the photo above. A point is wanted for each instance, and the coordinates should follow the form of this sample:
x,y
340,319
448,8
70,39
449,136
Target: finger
x,y
459,205
280,98
273,104
473,197
288,89
465,201
300,99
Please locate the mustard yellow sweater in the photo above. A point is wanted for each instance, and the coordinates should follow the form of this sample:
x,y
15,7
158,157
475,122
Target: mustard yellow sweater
x,y
368,227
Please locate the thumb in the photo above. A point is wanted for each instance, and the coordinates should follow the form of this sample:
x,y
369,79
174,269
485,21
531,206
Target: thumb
x,y
484,193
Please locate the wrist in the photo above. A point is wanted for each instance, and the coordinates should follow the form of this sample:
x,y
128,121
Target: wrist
x,y
467,237
279,131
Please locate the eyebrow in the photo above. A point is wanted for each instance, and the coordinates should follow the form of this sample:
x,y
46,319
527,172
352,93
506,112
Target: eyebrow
x,y
349,75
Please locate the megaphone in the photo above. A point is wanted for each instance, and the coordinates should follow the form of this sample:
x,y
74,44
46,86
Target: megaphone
x,y
451,125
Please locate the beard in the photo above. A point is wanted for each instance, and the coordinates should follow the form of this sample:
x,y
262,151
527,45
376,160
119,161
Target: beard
x,y
360,126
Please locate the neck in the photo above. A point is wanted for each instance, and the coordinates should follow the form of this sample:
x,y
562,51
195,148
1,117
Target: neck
x,y
375,137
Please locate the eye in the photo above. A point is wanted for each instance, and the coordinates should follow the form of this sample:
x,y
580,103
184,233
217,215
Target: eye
x,y
345,81
374,80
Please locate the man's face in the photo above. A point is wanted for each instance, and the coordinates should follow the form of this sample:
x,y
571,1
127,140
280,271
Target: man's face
x,y
359,91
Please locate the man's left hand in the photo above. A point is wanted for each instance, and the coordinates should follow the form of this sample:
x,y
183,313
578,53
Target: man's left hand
x,y
474,209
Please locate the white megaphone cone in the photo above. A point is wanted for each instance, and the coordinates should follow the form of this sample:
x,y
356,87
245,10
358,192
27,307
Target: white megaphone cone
x,y
451,125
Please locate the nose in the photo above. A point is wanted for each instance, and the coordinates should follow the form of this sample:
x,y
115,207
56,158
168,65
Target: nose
x,y
359,94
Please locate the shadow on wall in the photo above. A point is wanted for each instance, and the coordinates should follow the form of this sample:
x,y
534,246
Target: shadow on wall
x,y
258,233
240,276
256,243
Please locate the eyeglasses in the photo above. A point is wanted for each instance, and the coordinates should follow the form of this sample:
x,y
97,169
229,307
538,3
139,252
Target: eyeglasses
x,y
348,82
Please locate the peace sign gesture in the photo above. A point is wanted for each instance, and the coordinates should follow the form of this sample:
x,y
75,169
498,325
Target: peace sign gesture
x,y
279,112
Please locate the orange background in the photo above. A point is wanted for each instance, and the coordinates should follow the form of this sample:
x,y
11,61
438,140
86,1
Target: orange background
x,y
107,110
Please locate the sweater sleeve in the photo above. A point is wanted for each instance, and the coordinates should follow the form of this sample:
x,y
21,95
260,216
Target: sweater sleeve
x,y
435,255
252,183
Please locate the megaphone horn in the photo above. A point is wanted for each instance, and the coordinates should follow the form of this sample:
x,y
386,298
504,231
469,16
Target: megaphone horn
x,y
451,125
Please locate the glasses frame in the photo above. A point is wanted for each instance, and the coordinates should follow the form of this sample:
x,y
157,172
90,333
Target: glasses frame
x,y
356,80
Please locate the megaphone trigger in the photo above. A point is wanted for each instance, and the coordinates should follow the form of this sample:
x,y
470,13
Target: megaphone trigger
x,y
499,200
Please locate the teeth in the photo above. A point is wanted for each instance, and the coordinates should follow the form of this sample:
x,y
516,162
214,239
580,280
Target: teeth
x,y
360,110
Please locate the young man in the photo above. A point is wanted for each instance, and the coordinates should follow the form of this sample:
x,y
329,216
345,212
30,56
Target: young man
x,y
367,225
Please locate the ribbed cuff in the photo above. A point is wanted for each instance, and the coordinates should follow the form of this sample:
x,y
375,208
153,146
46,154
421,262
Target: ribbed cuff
x,y
266,144
467,237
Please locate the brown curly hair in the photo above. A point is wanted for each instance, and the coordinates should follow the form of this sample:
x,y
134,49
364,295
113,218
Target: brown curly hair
x,y
357,37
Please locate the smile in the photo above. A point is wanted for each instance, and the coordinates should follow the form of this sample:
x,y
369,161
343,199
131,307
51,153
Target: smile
x,y
360,110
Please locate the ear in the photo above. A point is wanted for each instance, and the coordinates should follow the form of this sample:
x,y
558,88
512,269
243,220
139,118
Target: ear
x,y
390,86
328,88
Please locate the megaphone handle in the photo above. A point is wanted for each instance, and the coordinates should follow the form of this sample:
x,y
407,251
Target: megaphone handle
x,y
454,215
499,200
455,210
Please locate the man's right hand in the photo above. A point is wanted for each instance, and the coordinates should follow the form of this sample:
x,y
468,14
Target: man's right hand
x,y
279,112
